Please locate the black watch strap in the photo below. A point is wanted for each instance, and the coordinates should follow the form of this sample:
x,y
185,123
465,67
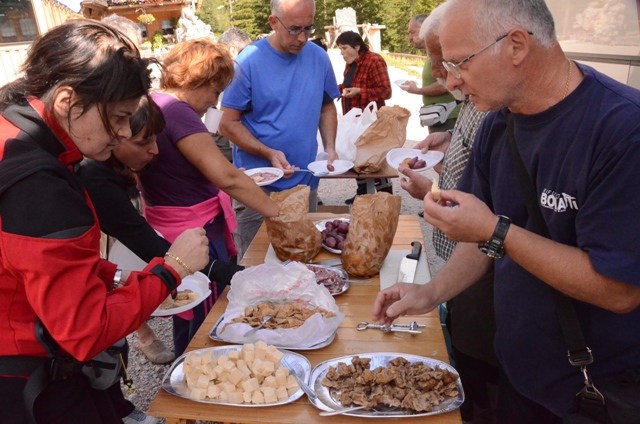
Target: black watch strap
x,y
494,248
167,278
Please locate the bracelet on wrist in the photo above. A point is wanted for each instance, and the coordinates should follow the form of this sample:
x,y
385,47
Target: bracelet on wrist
x,y
180,262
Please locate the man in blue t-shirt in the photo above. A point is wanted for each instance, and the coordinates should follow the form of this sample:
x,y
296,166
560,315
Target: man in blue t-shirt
x,y
578,133
282,94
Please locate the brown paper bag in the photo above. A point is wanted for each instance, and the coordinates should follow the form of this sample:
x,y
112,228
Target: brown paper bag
x,y
292,234
374,219
387,132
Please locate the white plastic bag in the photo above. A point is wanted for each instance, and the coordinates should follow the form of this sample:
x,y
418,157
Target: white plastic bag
x,y
280,284
350,127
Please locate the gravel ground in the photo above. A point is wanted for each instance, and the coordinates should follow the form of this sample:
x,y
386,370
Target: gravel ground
x,y
147,376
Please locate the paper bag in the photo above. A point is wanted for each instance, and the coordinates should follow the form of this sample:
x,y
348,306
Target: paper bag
x,y
389,131
292,234
280,284
374,219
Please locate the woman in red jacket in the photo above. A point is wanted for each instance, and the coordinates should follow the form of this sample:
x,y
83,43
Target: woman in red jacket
x,y
366,80
82,82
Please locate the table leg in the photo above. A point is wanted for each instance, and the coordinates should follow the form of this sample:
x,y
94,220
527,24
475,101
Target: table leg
x,y
179,421
371,185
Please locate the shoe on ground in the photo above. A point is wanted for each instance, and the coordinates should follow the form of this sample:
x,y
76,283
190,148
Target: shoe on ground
x,y
139,417
157,352
421,214
350,200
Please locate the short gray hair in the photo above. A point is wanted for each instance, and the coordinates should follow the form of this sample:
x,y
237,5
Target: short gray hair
x,y
234,37
125,26
494,18
276,7
431,25
420,18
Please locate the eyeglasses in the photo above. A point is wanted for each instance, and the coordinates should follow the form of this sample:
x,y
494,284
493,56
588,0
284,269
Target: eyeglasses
x,y
453,68
297,31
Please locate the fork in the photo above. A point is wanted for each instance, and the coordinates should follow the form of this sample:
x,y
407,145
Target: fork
x,y
304,386
253,330
315,174
341,411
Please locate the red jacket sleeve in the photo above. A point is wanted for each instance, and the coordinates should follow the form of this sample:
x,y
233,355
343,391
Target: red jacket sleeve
x,y
70,295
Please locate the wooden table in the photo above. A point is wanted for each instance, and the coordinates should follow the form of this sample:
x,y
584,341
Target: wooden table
x,y
386,172
356,304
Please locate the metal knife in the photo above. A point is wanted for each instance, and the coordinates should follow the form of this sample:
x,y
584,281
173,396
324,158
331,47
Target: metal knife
x,y
409,264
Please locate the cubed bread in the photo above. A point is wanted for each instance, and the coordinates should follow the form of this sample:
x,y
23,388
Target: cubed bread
x,y
198,394
257,397
236,397
203,382
270,381
236,376
251,385
282,394
270,395
213,391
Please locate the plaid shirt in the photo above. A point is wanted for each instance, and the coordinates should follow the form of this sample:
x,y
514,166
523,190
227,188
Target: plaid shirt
x,y
455,160
372,78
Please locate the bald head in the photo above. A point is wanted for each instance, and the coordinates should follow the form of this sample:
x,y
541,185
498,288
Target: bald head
x,y
278,7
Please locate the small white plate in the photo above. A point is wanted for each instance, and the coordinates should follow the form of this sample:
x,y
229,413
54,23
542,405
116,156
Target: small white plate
x,y
278,172
198,283
340,166
403,83
396,156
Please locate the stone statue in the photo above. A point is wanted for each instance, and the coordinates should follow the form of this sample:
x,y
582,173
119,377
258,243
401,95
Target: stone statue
x,y
190,27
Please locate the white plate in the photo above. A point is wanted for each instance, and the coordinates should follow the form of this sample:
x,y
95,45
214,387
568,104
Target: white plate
x,y
396,156
402,83
173,381
320,225
340,166
213,334
198,283
278,172
326,402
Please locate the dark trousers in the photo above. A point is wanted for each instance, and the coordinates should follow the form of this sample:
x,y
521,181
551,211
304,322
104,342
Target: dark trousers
x,y
67,401
480,384
515,408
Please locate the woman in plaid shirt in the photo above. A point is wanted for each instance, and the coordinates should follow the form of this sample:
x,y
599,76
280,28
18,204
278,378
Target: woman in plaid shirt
x,y
366,80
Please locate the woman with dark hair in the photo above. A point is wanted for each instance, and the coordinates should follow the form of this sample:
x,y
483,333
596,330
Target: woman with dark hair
x,y
366,80
112,187
60,303
190,181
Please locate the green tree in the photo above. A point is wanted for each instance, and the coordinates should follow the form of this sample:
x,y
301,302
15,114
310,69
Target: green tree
x,y
397,14
252,17
216,14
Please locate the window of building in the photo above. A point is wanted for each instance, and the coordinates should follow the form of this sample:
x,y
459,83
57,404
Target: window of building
x,y
144,30
17,21
167,28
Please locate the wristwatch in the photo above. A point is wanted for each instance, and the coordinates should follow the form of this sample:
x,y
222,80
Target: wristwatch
x,y
494,248
117,279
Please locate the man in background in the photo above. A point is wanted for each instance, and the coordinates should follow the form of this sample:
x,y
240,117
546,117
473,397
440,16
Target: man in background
x,y
236,40
282,93
431,91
